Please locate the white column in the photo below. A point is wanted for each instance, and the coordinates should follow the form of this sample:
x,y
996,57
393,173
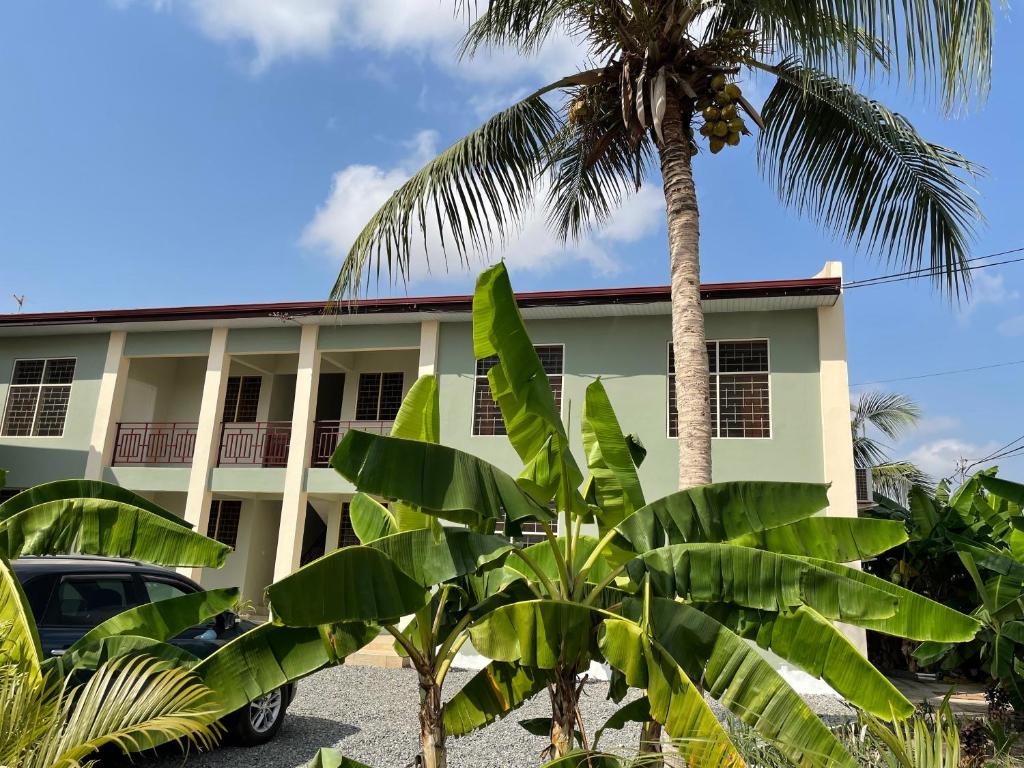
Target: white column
x,y
333,527
204,458
108,407
293,502
836,437
429,335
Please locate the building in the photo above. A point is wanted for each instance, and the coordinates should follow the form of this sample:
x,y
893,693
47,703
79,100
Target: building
x,y
227,415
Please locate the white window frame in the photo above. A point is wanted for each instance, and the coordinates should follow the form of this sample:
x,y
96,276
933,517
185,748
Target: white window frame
x,y
35,413
380,392
670,382
474,377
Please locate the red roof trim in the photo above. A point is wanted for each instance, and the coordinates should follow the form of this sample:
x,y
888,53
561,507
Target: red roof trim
x,y
817,286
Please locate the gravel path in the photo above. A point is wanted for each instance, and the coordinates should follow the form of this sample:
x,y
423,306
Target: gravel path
x,y
370,715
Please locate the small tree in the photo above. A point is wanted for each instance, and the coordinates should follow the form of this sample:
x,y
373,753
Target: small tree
x,y
891,414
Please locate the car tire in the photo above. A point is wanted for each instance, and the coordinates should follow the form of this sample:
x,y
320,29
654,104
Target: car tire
x,y
259,721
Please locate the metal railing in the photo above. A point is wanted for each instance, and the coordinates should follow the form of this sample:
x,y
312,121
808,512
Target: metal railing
x,y
328,432
146,442
254,444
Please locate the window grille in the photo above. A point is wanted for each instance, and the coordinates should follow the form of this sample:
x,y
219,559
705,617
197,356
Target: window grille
x,y
225,515
38,397
487,418
242,399
379,396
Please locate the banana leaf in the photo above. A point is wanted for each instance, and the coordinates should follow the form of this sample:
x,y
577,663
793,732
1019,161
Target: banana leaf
x,y
611,557
581,759
433,557
81,660
916,617
520,386
370,519
841,539
418,419
721,511
609,459
536,633
164,619
20,641
109,528
451,484
82,489
736,675
332,758
753,578
491,693
1004,489
352,584
675,701
636,711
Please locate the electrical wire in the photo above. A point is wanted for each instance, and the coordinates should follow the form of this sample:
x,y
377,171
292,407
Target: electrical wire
x,y
899,277
940,373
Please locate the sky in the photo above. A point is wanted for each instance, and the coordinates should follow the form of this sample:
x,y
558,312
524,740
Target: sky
x,y
173,152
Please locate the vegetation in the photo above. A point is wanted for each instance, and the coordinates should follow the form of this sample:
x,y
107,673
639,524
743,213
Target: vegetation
x,y
665,592
891,414
664,85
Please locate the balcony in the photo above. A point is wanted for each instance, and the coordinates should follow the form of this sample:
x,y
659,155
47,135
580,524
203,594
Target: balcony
x,y
254,444
154,443
327,433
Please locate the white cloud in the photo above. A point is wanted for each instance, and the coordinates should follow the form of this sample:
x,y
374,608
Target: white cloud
x,y
1012,326
357,191
987,288
939,458
280,29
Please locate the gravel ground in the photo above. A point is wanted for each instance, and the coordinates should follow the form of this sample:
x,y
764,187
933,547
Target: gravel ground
x,y
370,715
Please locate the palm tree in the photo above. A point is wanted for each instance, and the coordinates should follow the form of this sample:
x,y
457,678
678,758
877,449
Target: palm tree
x,y
661,69
892,414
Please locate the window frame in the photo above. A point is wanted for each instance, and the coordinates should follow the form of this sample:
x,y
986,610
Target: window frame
x,y
476,378
39,389
218,504
132,594
670,382
380,393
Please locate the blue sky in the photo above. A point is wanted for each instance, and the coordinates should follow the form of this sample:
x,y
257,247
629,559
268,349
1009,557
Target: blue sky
x,y
163,152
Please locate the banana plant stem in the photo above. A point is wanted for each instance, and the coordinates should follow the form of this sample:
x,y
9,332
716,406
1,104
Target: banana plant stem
x,y
604,583
563,570
548,584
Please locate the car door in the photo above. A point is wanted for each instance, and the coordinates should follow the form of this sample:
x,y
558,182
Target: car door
x,y
200,640
79,602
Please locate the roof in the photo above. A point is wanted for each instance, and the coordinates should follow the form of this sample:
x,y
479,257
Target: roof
x,y
737,296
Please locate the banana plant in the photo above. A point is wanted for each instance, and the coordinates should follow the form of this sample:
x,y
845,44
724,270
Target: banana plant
x,y
662,591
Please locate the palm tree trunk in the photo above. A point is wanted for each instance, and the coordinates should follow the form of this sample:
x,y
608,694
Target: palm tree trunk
x,y
688,342
433,752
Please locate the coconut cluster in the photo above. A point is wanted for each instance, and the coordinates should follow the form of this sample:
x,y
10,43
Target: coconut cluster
x,y
720,110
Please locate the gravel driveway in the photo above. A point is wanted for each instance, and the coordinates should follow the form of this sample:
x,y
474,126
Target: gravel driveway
x,y
370,715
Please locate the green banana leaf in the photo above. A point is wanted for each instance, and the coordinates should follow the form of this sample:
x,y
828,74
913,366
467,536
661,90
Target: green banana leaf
x,y
352,584
82,489
520,385
581,759
636,711
164,619
332,758
370,519
811,642
721,511
924,514
916,617
609,459
541,554
262,660
82,660
1004,489
433,557
842,539
754,578
452,484
675,701
491,693
109,528
418,419
20,641
536,633
735,674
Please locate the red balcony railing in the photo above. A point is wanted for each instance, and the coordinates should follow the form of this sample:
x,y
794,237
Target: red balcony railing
x,y
327,433
255,444
144,442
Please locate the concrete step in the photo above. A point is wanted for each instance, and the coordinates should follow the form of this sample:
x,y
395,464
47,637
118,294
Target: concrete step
x,y
379,653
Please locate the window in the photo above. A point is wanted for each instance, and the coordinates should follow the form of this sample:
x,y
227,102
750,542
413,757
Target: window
x,y
162,590
738,389
532,532
346,533
379,396
486,414
85,602
224,517
242,398
37,400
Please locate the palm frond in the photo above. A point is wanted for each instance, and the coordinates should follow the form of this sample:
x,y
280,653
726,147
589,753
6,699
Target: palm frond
x,y
474,192
523,25
892,413
894,479
864,173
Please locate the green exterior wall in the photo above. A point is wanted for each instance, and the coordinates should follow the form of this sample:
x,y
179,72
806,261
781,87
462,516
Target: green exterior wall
x,y
167,343
369,336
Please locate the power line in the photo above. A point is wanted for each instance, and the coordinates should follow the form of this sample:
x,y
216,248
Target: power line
x,y
940,373
915,274
1005,451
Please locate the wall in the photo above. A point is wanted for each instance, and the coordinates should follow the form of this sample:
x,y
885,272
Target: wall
x,y
406,361
164,389
631,356
53,458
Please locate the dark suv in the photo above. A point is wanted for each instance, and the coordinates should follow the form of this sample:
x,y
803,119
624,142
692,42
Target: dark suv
x,y
71,594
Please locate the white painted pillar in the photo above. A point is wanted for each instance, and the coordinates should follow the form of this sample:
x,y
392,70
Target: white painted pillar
x,y
108,407
293,502
429,336
333,527
204,459
837,439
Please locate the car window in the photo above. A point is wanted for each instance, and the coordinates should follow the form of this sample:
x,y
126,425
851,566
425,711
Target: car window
x,y
87,601
38,591
162,590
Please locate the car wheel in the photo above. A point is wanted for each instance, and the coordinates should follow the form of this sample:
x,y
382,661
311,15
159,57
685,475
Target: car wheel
x,y
259,721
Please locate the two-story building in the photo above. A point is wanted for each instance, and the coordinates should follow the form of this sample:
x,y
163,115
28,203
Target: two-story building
x,y
227,415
